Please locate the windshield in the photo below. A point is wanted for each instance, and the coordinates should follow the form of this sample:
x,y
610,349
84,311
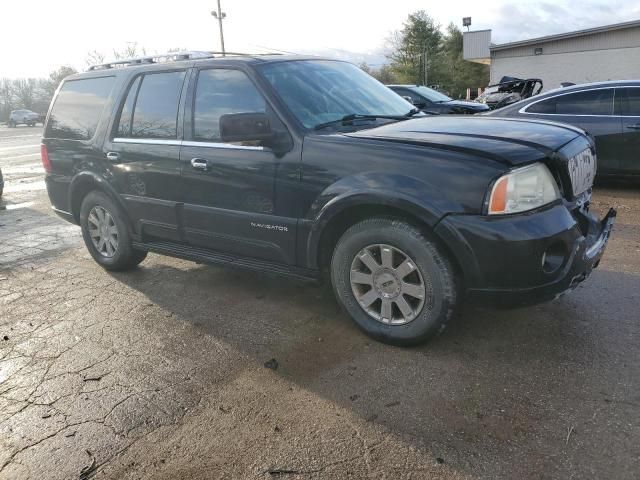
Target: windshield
x,y
319,91
431,94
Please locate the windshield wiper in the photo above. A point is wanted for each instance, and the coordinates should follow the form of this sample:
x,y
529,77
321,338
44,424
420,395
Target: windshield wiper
x,y
358,116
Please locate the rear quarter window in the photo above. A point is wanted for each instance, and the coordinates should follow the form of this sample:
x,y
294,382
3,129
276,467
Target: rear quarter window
x,y
78,108
590,102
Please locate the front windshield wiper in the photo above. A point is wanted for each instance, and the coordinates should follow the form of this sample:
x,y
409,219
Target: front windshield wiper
x,y
358,116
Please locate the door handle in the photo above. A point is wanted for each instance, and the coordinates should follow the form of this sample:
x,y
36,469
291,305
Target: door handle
x,y
200,164
113,157
634,127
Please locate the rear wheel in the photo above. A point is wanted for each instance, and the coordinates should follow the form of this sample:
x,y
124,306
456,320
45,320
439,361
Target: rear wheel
x,y
106,234
395,282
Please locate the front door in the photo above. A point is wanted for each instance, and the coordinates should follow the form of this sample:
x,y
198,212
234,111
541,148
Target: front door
x,y
144,153
229,189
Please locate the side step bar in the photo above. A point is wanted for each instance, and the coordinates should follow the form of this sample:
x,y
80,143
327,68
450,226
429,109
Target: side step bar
x,y
203,255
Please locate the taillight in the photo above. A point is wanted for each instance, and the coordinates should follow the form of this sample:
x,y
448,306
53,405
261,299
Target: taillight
x,y
45,158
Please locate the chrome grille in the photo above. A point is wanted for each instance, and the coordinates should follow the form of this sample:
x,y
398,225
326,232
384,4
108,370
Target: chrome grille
x,y
582,170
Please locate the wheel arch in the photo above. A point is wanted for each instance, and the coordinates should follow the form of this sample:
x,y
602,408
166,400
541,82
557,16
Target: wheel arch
x,y
85,182
335,219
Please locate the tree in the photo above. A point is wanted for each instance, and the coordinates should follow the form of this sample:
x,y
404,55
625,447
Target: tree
x,y
6,98
415,51
51,84
457,73
384,74
24,90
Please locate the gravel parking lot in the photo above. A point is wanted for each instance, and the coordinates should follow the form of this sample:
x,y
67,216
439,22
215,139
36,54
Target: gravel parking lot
x,y
160,372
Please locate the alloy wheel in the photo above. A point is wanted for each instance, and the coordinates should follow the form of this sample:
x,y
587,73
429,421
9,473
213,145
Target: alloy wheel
x,y
388,285
103,231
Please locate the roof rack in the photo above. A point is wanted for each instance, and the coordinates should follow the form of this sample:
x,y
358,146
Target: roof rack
x,y
169,57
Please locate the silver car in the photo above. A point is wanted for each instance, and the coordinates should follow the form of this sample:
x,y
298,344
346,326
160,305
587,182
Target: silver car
x,y
26,117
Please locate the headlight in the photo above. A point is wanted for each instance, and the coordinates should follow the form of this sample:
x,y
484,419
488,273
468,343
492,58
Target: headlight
x,y
523,189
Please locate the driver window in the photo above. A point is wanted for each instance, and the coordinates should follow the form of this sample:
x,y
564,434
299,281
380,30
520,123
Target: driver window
x,y
220,92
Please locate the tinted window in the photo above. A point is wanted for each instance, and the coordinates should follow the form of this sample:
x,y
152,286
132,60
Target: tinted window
x,y
124,126
591,102
156,108
630,101
408,93
78,108
219,92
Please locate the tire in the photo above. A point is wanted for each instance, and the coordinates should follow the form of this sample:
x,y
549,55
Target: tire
x,y
11,124
121,256
427,264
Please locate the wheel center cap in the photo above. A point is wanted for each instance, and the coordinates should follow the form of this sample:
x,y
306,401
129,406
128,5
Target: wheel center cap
x,y
386,284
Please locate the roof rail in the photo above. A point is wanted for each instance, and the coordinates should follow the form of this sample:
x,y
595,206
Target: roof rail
x,y
168,57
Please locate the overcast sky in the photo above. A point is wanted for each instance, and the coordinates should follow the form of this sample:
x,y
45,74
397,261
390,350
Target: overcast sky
x,y
41,35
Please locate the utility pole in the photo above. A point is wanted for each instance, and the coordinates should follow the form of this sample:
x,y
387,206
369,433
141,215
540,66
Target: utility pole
x,y
425,65
219,14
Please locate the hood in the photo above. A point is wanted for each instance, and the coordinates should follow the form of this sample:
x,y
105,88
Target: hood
x,y
468,105
511,141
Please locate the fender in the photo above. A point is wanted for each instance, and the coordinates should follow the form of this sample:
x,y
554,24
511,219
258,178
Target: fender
x,y
87,177
408,194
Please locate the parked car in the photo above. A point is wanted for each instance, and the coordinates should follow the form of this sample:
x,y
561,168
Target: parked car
x,y
26,117
204,160
430,100
509,90
609,111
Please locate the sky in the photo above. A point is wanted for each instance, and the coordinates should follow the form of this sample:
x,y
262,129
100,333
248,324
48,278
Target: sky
x,y
48,34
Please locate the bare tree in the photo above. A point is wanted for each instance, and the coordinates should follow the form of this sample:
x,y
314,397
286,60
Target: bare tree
x,y
24,91
6,98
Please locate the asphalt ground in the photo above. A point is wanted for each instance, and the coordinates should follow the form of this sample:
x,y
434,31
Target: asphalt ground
x,y
160,372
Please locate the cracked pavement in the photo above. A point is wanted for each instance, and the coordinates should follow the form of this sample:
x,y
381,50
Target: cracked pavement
x,y
159,372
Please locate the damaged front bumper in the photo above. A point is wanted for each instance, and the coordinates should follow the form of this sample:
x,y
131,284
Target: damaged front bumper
x,y
525,259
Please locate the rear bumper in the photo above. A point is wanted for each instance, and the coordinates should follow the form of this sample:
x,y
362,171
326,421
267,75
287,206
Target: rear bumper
x,y
528,258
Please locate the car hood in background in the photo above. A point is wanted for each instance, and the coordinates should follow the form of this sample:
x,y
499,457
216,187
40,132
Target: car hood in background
x,y
511,141
476,106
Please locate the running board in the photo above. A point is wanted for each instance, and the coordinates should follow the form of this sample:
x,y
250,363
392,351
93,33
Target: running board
x,y
204,255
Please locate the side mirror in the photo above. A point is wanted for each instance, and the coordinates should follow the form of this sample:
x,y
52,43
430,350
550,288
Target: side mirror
x,y
408,99
245,127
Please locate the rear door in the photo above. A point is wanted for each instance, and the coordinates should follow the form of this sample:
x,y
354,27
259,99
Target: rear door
x,y
593,111
144,150
229,189
628,107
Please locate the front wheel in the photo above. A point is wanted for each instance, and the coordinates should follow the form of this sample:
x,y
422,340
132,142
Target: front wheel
x,y
106,234
394,281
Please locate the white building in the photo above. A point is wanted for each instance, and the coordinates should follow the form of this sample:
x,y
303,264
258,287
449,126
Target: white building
x,y
611,52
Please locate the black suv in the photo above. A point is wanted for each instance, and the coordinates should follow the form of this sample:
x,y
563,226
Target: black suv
x,y
299,166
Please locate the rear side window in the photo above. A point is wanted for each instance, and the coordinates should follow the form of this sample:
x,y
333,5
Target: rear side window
x,y
629,102
591,102
151,107
218,92
78,108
